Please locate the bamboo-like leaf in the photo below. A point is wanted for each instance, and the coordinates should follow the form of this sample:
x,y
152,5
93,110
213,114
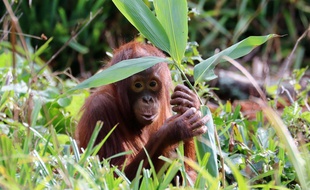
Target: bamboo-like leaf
x,y
209,145
204,70
172,14
120,71
141,17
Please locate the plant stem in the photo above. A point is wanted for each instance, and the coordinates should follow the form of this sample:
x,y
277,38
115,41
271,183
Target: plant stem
x,y
188,82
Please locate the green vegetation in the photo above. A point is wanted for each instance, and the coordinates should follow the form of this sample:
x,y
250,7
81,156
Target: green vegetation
x,y
39,106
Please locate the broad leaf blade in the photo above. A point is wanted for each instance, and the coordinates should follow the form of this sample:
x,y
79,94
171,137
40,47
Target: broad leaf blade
x,y
210,146
120,71
172,14
141,17
204,70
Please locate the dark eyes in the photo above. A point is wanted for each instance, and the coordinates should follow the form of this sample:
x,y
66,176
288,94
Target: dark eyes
x,y
138,85
153,83
154,86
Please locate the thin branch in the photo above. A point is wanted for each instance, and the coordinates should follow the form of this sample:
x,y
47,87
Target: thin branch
x,y
221,156
287,63
17,27
22,34
284,90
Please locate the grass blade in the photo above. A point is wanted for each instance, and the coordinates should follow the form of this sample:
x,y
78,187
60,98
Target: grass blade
x,y
35,112
242,184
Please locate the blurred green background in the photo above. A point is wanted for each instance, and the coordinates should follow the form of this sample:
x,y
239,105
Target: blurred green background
x,y
213,24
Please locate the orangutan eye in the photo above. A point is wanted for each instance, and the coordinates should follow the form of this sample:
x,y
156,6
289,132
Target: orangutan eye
x,y
138,85
153,83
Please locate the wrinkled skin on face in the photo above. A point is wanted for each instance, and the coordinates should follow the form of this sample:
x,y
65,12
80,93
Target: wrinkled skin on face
x,y
145,89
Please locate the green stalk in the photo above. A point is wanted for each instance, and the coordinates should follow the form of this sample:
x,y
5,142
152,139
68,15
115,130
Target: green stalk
x,y
188,82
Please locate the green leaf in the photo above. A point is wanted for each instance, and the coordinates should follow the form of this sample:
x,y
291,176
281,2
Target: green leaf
x,y
204,70
120,71
4,98
64,102
141,17
172,15
170,174
35,112
210,147
42,48
306,116
90,147
76,103
8,156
